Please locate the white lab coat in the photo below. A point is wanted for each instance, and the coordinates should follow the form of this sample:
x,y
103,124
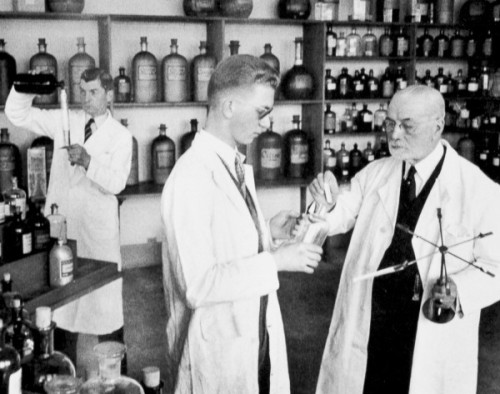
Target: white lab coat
x,y
87,199
213,280
445,356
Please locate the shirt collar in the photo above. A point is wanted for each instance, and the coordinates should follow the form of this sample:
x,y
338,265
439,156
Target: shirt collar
x,y
225,151
99,120
426,166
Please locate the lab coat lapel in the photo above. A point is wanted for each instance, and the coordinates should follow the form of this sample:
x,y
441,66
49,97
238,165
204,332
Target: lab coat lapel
x,y
389,192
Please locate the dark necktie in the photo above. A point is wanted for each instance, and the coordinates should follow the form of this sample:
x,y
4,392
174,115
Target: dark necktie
x,y
240,176
88,128
411,188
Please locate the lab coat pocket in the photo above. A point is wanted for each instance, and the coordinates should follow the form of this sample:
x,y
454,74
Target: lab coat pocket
x,y
457,238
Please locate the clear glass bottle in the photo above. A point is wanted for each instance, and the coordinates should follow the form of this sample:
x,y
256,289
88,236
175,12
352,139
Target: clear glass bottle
x,y
175,75
368,154
18,332
44,62
365,121
109,356
122,85
330,120
163,156
78,63
329,157
484,81
330,85
353,44
331,41
457,45
379,117
344,82
386,43
46,361
10,366
57,223
341,45
61,264
203,67
402,43
442,44
145,75
369,44
425,44
346,121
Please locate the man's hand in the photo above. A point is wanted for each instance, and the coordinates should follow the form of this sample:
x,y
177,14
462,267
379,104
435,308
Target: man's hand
x,y
317,189
446,297
78,155
299,257
282,224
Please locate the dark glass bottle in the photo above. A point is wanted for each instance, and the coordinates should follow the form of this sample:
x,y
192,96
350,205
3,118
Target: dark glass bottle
x,y
402,43
10,157
425,44
18,332
343,162
145,75
330,120
270,58
48,144
10,367
457,45
133,176
331,41
386,43
368,154
372,86
354,115
359,88
441,81
270,154
460,84
45,63
451,88
471,44
199,7
329,157
484,155
487,47
365,120
175,75
427,80
475,14
46,362
387,84
78,63
40,227
355,160
36,83
401,81
236,8
346,121
330,85
294,9
234,47
383,150
163,156
203,67
442,44
344,82
187,139
8,70
484,81
18,237
296,151
122,87
298,82
379,118
472,86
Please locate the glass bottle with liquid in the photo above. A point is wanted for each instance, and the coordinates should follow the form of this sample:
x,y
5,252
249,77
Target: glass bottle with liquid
x,y
145,75
41,228
77,64
341,50
402,43
163,156
343,162
330,85
353,44
122,85
330,120
269,154
369,44
44,62
296,150
11,161
387,84
203,66
61,264
331,41
344,82
175,75
365,121
386,43
346,121
18,332
298,83
18,237
457,45
355,160
270,58
379,118
368,154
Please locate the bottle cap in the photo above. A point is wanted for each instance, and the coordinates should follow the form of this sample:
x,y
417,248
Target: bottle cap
x,y
6,277
151,376
43,317
41,41
144,39
80,41
173,41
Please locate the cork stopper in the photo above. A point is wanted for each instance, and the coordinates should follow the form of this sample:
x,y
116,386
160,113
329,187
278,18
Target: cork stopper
x,y
296,119
43,317
80,41
41,41
203,44
267,46
151,376
173,42
144,40
163,127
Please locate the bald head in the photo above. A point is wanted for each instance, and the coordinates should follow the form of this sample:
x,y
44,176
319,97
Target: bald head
x,y
426,101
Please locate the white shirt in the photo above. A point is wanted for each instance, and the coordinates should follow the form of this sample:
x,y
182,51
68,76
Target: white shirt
x,y
425,167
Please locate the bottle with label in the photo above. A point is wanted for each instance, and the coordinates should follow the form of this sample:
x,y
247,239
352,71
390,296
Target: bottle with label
x,y
18,332
269,153
78,63
343,162
425,44
353,44
359,88
344,181
387,84
57,223
484,155
329,157
386,43
40,227
145,75
368,154
354,115
203,67
365,120
61,264
401,80
402,43
344,82
372,86
457,45
175,76
341,45
296,151
10,366
346,121
17,197
10,158
46,362
355,160
298,83
122,86
270,58
460,83
495,164
163,156
441,82
187,139
331,41
379,118
383,150
8,70
487,47
471,44
442,44
330,120
472,86
369,44
451,89
45,63
330,85
484,82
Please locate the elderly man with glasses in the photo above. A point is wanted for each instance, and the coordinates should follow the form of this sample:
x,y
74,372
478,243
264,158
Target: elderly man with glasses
x,y
381,338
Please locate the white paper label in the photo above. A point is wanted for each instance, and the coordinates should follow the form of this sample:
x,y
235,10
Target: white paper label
x,y
359,87
147,73
66,268
464,113
299,154
204,73
496,161
443,88
270,158
176,73
371,157
367,118
345,159
473,87
331,86
27,243
483,156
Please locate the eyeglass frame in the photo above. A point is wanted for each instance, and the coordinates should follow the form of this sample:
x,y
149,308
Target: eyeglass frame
x,y
410,130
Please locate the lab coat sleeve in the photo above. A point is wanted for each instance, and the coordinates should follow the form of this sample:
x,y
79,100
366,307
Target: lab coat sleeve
x,y
112,176
477,290
19,110
194,247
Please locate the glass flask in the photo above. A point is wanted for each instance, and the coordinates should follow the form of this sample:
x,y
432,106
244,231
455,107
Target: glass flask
x,y
109,380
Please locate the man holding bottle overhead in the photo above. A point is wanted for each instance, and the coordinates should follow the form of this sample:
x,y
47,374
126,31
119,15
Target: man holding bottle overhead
x,y
85,177
224,328
384,338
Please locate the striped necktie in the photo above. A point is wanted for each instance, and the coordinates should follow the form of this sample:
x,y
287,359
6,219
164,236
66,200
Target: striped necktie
x,y
240,175
88,128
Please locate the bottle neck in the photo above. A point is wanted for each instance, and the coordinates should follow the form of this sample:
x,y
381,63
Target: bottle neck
x,y
44,341
144,46
42,48
81,48
173,49
298,53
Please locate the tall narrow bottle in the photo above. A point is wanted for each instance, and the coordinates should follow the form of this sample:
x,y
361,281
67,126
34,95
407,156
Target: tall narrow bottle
x,y
78,63
10,159
372,86
344,82
18,333
387,84
442,44
298,83
41,229
44,62
330,120
17,197
296,150
46,361
270,154
163,156
145,75
175,75
368,154
331,41
343,162
8,70
330,85
425,44
10,366
365,121
187,139
379,117
341,50
18,236
203,68
355,160
123,86
402,43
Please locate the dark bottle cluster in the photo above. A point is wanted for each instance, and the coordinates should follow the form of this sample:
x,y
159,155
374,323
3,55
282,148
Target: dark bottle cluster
x,y
482,149
473,117
228,8
355,120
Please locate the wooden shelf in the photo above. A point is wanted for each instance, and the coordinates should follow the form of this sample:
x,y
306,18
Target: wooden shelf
x,y
161,104
441,59
52,15
369,58
357,100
